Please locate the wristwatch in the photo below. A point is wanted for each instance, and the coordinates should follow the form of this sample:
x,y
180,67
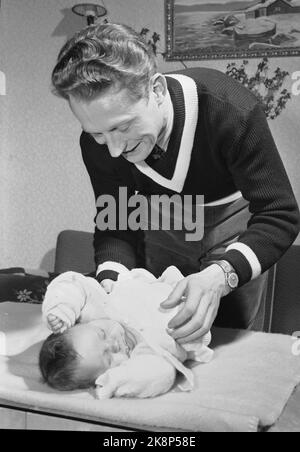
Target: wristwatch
x,y
231,277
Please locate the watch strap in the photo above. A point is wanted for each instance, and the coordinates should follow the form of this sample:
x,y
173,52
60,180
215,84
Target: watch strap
x,y
231,277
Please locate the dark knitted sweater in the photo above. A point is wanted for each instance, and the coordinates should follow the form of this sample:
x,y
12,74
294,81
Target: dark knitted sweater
x,y
232,149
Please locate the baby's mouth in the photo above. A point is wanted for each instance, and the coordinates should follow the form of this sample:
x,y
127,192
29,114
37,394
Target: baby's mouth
x,y
129,340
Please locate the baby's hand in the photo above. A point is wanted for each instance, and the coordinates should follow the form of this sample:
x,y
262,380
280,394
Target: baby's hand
x,y
107,285
60,317
56,324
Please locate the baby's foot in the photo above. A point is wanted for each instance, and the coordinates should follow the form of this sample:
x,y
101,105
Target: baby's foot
x,y
56,324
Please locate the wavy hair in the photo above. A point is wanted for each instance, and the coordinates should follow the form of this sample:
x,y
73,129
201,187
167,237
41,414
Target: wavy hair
x,y
104,56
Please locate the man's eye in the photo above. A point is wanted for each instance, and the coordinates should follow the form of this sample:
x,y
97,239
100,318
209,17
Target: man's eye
x,y
124,129
97,135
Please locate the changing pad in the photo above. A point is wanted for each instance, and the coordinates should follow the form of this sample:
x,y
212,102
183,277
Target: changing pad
x,y
244,388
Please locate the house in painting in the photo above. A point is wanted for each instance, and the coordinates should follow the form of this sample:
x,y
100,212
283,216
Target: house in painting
x,y
272,7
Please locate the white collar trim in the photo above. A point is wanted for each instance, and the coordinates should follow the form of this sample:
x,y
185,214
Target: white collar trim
x,y
184,155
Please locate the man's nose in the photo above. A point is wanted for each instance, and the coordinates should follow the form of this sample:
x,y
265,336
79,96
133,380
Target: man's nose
x,y
115,144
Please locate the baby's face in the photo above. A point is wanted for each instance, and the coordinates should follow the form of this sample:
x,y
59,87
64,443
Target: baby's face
x,y
101,344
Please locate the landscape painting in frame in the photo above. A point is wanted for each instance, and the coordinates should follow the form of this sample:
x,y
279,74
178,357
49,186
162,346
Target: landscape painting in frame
x,y
216,29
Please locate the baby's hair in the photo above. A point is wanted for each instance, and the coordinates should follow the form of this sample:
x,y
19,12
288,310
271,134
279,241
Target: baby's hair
x,y
58,362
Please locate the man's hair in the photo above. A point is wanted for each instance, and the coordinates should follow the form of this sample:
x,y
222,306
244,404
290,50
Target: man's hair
x,y
59,362
104,56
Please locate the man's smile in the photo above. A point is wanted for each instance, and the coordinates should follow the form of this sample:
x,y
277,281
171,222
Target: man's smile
x,y
131,150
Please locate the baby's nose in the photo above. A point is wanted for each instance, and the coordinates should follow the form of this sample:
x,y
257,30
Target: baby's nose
x,y
113,345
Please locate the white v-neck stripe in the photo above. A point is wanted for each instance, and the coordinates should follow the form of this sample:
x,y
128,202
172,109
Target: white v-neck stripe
x,y
189,89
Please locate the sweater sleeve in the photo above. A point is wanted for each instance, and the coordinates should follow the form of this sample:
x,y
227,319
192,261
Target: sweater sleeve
x,y
65,297
259,174
108,175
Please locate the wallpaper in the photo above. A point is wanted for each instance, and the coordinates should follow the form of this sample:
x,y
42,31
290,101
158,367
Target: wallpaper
x,y
44,186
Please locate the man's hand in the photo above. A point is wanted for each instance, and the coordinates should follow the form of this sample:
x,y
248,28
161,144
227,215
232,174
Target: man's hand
x,y
107,285
200,295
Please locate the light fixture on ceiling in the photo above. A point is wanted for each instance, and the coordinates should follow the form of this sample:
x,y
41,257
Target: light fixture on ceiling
x,y
90,10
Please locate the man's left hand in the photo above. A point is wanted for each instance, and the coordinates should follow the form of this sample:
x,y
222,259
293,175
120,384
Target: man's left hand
x,y
200,295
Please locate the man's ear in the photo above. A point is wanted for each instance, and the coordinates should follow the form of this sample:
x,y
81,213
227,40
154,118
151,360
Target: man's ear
x,y
158,84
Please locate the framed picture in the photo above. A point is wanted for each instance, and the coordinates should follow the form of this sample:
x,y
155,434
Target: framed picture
x,y
218,29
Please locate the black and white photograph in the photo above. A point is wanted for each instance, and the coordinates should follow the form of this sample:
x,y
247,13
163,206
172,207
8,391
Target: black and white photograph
x,y
149,233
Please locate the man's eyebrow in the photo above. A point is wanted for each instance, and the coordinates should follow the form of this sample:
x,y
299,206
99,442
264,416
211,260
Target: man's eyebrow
x,y
127,121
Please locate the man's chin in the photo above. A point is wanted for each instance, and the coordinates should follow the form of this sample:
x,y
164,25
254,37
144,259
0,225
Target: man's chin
x,y
133,158
136,156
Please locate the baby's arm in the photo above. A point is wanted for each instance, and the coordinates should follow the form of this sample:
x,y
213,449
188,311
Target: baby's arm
x,y
73,297
64,300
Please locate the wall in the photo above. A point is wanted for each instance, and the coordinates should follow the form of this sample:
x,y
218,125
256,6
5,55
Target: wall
x,y
45,187
3,160
48,189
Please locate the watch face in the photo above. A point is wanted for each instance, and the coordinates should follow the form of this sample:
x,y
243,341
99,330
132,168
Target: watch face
x,y
233,280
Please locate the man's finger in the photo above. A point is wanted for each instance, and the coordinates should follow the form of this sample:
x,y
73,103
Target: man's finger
x,y
188,308
209,319
175,296
195,322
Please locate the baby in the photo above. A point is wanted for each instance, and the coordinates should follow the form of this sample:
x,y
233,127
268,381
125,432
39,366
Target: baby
x,y
117,341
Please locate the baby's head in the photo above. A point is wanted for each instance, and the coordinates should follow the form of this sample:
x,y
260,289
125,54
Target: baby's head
x,y
75,358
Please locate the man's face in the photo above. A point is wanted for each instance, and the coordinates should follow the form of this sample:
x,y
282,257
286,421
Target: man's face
x,y
129,128
101,344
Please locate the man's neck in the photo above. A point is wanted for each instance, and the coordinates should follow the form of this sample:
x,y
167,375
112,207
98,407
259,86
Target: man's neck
x,y
164,136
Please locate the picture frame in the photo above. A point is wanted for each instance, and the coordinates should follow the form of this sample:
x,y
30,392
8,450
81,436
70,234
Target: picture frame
x,y
230,29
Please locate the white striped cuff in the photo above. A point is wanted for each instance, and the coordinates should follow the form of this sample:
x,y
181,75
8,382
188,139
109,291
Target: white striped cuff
x,y
110,265
249,255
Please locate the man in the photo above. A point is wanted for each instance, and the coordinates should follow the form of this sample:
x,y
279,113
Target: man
x,y
193,132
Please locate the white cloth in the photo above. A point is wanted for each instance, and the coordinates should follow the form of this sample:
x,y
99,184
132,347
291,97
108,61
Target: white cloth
x,y
134,301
